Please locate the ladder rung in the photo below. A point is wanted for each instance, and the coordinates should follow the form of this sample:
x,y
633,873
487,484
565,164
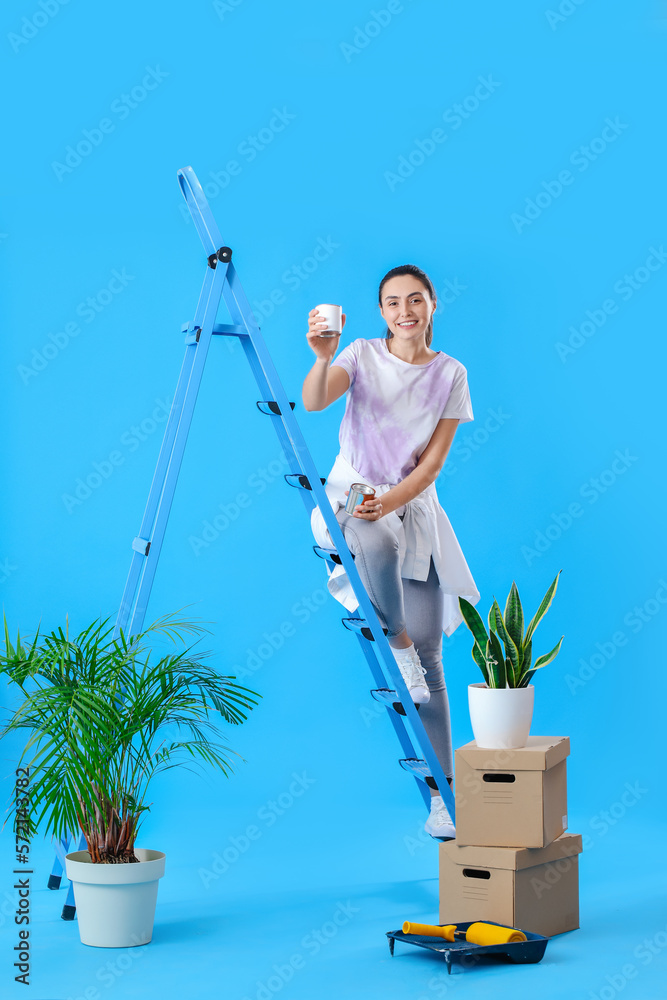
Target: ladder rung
x,y
302,482
359,625
270,406
229,330
389,698
419,769
327,554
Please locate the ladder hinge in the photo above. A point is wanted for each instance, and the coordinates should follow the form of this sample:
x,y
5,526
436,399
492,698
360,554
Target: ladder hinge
x,y
141,545
224,254
192,334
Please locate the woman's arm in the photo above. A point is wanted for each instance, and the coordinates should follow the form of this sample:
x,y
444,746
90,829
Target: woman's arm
x,y
324,383
426,472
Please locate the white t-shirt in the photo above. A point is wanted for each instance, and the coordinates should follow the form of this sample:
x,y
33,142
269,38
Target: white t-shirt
x,y
393,407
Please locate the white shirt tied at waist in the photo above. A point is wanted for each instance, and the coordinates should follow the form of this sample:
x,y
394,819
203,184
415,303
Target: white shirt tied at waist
x,y
423,531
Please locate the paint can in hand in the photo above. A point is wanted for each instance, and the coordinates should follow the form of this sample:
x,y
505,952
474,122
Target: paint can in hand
x,y
359,493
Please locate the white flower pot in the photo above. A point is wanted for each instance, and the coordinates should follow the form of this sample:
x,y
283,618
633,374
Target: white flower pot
x,y
115,904
500,717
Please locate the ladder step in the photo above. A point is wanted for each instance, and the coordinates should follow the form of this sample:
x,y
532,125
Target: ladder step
x,y
302,482
327,554
390,698
419,769
359,625
270,406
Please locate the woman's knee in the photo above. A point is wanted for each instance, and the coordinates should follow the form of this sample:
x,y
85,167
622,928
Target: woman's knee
x,y
376,540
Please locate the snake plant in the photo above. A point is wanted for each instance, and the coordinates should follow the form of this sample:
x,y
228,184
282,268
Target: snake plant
x,y
509,667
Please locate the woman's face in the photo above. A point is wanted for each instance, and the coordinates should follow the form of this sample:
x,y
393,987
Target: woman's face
x,y
406,307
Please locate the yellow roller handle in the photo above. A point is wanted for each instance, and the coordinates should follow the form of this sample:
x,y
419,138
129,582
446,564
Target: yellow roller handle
x,y
477,933
481,933
430,930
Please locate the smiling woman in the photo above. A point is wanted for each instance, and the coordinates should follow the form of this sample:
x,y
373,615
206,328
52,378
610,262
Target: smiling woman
x,y
404,403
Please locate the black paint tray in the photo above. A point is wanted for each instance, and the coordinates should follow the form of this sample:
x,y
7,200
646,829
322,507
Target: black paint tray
x,y
519,952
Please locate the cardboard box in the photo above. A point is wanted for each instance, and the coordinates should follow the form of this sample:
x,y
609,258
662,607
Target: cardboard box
x,y
512,798
534,889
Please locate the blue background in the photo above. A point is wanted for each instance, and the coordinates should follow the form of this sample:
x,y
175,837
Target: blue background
x,y
520,260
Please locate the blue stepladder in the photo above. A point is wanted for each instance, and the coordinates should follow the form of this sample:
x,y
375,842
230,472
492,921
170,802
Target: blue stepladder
x,y
221,281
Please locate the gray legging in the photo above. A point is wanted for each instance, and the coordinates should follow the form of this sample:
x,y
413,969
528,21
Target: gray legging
x,y
414,605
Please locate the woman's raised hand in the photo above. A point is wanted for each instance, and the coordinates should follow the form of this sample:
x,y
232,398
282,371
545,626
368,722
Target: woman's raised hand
x,y
324,347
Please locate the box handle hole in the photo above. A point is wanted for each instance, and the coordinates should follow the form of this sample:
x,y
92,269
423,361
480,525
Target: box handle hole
x,y
476,873
494,776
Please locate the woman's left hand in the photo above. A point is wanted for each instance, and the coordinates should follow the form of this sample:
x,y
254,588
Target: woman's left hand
x,y
370,510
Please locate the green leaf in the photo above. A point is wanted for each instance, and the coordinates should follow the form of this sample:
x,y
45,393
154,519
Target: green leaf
x,y
548,657
526,657
510,646
543,608
514,616
494,649
497,667
480,660
474,622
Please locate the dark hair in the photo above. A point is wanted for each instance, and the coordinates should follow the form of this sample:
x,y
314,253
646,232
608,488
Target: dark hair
x,y
420,276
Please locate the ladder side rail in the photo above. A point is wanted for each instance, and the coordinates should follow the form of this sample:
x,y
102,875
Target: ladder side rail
x,y
199,209
396,720
276,420
60,848
242,315
69,906
176,457
138,561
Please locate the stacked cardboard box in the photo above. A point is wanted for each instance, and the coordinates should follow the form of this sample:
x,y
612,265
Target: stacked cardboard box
x,y
512,861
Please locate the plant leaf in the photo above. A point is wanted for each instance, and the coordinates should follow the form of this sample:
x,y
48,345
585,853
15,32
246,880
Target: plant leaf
x,y
543,608
480,660
526,657
514,616
494,649
474,622
510,646
548,657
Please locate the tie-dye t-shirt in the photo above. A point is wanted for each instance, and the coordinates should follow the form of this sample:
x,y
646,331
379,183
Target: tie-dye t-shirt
x,y
393,407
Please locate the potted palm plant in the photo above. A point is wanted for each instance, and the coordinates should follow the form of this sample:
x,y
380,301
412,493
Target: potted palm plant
x,y
501,707
103,718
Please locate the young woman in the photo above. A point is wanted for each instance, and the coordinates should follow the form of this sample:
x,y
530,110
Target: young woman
x,y
404,403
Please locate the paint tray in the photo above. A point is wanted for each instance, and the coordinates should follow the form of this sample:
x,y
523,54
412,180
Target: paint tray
x,y
519,952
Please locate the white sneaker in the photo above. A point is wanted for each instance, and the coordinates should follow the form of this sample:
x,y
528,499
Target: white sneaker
x,y
439,822
413,674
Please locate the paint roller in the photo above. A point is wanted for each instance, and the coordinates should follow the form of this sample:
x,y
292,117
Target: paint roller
x,y
477,933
